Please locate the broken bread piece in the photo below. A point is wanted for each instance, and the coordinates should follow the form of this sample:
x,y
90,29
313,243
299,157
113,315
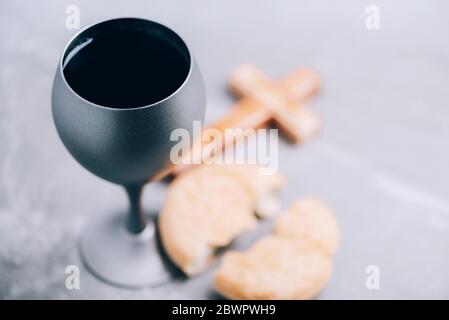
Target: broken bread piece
x,y
274,268
294,262
310,219
205,209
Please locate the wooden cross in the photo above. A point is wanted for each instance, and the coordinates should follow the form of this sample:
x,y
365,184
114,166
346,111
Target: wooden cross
x,y
262,103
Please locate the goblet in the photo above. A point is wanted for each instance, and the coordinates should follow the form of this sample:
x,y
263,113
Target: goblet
x,y
121,87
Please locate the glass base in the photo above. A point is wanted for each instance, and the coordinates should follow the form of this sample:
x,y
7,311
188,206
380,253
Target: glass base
x,y
120,258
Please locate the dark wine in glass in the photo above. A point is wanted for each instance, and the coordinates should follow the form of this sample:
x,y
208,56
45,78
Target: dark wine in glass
x,y
121,87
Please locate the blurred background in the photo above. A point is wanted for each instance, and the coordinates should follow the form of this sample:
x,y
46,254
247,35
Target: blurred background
x,y
381,162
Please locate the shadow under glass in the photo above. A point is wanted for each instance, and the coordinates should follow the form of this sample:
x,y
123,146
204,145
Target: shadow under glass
x,y
126,63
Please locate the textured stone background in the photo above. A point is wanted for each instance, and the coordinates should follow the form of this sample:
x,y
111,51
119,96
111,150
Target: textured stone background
x,y
382,161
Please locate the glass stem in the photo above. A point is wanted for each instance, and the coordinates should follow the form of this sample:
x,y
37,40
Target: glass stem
x,y
136,218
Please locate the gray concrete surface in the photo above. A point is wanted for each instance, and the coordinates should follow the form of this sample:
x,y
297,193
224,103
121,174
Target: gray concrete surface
x,y
382,161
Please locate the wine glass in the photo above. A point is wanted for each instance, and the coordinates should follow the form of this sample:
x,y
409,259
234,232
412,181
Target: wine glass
x,y
121,87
